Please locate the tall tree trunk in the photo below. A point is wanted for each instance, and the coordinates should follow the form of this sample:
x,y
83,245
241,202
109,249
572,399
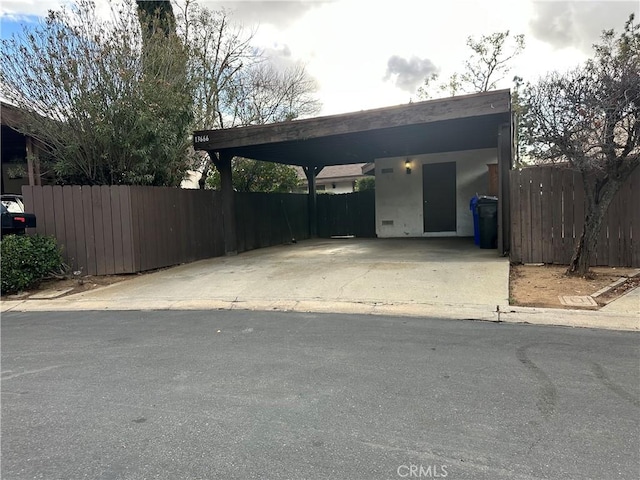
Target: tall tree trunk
x,y
587,244
598,197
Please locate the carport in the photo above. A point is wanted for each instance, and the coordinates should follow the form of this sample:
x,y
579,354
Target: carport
x,y
455,124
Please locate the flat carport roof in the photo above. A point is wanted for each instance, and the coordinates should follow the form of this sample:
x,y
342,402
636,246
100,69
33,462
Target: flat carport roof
x,y
465,122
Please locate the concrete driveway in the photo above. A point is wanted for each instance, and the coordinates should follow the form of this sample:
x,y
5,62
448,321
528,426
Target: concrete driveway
x,y
397,276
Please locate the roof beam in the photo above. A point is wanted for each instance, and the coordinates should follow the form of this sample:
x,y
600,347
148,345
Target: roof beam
x,y
464,106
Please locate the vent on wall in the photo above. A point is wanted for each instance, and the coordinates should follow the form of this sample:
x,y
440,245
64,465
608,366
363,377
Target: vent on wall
x,y
386,170
387,222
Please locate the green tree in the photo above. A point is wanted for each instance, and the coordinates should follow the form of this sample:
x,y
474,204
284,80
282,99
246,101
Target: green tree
x,y
108,110
367,183
589,120
255,176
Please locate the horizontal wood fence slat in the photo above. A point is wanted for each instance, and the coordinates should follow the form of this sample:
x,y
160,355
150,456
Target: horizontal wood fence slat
x,y
547,217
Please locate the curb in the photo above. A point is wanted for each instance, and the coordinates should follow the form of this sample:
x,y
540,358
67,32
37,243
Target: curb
x,y
497,314
614,285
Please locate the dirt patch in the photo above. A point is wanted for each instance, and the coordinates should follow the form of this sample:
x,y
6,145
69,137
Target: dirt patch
x,y
542,286
76,285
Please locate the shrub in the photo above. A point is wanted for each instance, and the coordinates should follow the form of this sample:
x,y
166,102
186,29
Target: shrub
x,y
367,183
27,260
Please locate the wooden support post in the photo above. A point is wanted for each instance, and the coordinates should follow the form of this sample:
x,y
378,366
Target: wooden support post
x,y
36,165
223,164
29,149
33,162
505,162
311,173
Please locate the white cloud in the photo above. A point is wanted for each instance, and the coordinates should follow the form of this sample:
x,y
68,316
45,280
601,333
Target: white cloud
x,y
578,24
346,44
273,12
408,74
19,8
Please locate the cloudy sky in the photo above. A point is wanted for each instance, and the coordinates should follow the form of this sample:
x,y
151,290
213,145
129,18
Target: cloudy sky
x,y
369,54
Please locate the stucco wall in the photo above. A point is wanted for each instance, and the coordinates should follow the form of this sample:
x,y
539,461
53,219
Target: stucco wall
x,y
399,195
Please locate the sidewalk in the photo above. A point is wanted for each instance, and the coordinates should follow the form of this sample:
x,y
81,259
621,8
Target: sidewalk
x,y
403,277
628,303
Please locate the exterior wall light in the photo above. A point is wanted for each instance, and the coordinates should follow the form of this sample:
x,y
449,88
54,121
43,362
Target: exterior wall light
x,y
407,166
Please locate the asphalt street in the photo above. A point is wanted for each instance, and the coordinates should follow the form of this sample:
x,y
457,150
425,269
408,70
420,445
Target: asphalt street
x,y
272,395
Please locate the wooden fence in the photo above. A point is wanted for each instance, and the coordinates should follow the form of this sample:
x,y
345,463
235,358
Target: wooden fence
x,y
347,214
125,229
547,217
265,219
107,230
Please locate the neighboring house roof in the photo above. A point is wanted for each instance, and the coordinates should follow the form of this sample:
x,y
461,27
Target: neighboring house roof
x,y
369,168
335,173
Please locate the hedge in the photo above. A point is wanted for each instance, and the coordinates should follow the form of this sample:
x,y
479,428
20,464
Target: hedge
x,y
26,260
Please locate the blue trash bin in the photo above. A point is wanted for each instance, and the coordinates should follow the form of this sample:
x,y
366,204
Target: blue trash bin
x,y
473,206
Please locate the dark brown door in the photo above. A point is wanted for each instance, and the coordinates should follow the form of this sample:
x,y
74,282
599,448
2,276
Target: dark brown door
x,y
439,195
